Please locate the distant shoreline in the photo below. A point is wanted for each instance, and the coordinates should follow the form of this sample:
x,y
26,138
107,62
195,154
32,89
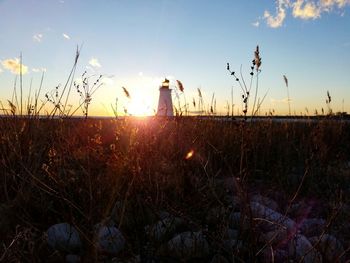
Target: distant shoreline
x,y
345,117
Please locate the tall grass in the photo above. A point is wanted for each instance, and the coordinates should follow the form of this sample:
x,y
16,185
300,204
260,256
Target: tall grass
x,y
78,171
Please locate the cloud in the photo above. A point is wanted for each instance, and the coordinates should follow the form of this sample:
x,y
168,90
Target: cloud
x,y
277,20
94,63
256,24
1,70
14,66
66,36
329,4
303,9
306,10
38,37
36,70
108,80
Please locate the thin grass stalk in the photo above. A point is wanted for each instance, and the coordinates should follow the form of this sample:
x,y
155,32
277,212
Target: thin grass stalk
x,y
260,103
232,113
21,83
53,112
81,104
69,90
29,96
288,101
38,94
14,94
256,91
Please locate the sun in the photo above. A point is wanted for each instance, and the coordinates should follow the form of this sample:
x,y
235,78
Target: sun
x,y
140,106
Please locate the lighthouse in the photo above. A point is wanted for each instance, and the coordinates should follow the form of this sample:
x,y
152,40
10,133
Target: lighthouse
x,y
165,104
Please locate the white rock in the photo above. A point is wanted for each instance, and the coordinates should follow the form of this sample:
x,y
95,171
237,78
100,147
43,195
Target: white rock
x,y
301,248
64,237
187,245
110,240
261,211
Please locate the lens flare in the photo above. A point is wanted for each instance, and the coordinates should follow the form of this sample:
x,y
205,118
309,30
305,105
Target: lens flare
x,y
189,155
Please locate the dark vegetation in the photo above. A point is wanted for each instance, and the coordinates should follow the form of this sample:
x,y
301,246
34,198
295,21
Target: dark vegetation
x,y
89,171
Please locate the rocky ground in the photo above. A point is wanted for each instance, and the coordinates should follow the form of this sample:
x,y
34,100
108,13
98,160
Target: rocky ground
x,y
274,231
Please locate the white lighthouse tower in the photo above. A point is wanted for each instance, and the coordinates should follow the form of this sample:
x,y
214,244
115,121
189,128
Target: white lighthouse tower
x,y
165,104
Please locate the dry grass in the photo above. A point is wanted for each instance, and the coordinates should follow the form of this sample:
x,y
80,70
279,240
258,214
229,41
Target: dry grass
x,y
55,170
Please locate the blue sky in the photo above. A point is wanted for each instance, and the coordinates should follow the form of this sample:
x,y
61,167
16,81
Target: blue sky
x,y
136,43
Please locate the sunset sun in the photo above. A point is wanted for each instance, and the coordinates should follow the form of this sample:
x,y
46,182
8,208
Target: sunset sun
x,y
140,106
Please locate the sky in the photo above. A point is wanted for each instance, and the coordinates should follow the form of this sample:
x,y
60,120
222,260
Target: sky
x,y
137,43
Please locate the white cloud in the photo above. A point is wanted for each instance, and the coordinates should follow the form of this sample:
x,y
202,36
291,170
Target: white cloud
x,y
1,70
303,9
306,10
14,66
256,24
108,80
94,63
36,70
66,36
329,4
277,20
38,37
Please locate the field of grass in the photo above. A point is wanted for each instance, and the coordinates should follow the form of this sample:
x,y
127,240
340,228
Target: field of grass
x,y
203,173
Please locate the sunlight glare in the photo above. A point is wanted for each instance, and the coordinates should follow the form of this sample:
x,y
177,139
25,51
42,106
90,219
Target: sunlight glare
x,y
140,106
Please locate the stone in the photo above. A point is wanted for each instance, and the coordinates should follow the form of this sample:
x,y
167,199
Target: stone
x,y
185,246
302,250
312,227
64,237
275,237
110,240
260,211
163,229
